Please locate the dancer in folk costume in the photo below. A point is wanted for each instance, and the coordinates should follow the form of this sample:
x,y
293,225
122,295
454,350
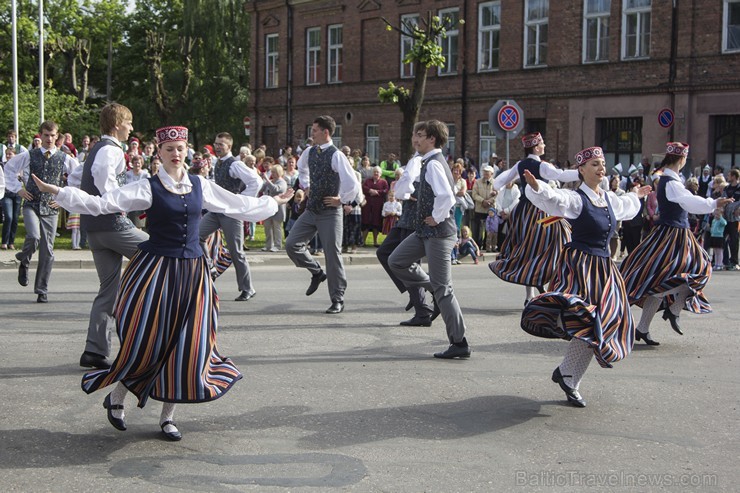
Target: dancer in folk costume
x,y
586,302
530,252
669,268
167,307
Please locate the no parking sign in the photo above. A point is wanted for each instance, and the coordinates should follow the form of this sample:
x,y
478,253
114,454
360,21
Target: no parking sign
x,y
665,118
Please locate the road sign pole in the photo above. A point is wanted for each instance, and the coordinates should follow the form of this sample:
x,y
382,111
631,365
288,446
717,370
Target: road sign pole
x,y
508,163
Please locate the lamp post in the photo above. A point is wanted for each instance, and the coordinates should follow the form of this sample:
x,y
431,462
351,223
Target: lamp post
x,y
41,61
14,22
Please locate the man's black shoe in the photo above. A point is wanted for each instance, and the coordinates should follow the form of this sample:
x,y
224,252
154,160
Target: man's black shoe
x,y
245,296
92,360
417,322
454,351
23,275
42,298
316,279
336,307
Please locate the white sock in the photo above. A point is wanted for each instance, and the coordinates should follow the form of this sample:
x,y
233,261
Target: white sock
x,y
680,301
168,412
117,397
575,363
529,292
649,308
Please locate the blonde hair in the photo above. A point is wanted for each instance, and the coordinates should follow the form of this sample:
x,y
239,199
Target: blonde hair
x,y
112,115
277,169
466,229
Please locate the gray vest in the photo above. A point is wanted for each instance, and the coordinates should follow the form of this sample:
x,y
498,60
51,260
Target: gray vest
x,y
408,213
107,222
425,204
223,179
48,170
324,180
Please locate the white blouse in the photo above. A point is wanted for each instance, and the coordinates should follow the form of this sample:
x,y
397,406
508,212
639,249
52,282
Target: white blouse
x,y
392,208
547,171
569,203
675,191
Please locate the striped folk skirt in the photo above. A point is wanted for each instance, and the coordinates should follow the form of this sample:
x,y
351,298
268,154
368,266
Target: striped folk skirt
x,y
217,251
586,300
667,259
166,314
530,253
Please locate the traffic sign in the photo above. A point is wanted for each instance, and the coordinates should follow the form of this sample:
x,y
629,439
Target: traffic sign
x,y
247,126
508,117
665,118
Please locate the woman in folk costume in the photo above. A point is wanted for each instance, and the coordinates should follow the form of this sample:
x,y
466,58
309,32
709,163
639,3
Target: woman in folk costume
x,y
167,307
530,252
586,303
669,267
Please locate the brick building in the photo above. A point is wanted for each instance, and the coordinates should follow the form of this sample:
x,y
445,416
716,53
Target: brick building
x,y
584,72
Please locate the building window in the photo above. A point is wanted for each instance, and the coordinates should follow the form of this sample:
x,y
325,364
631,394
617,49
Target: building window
x,y
731,26
313,55
489,28
727,141
271,60
335,54
535,32
621,140
408,22
596,30
636,29
450,148
449,42
372,142
487,145
337,137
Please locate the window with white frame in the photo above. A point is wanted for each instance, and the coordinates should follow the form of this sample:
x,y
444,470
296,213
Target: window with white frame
x,y
636,15
271,60
596,30
313,55
487,142
450,41
372,142
337,137
536,17
731,26
489,29
408,22
335,54
450,148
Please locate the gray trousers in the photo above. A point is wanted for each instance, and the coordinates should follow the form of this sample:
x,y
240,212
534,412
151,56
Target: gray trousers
x,y
234,237
40,234
273,233
328,224
404,264
108,249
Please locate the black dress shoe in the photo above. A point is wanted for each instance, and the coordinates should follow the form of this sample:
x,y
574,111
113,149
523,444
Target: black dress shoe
x,y
245,296
673,319
118,423
316,279
573,396
639,336
174,436
459,350
417,322
23,275
92,360
336,307
42,298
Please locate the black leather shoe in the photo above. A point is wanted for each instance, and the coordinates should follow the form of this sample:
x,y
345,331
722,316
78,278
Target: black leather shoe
x,y
316,279
409,306
245,296
673,319
174,436
573,396
118,423
639,336
42,298
417,322
23,275
336,307
435,309
455,351
92,360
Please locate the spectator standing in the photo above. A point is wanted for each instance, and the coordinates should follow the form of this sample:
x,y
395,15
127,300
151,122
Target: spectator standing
x,y
273,187
374,190
484,197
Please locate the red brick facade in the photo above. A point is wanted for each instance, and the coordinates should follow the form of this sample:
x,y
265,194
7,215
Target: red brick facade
x,y
569,98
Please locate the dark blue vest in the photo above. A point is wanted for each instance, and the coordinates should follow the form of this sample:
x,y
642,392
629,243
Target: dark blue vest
x,y
593,229
531,165
425,204
48,170
408,212
173,221
224,179
671,214
324,180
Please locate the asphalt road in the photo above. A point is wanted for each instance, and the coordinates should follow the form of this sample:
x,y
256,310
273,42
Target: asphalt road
x,y
354,402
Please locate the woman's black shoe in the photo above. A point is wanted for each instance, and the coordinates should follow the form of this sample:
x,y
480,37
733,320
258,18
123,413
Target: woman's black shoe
x,y
639,336
673,319
174,436
118,423
572,394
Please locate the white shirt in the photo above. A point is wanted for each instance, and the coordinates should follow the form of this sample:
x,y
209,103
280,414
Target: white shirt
x,y
21,165
392,208
349,186
569,203
108,164
404,186
435,176
137,196
547,171
676,192
508,199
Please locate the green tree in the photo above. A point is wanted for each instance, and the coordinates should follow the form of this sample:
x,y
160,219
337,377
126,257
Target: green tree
x,y
425,52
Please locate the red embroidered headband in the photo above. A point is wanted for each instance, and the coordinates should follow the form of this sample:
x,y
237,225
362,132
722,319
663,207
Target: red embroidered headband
x,y
589,153
677,148
170,134
531,140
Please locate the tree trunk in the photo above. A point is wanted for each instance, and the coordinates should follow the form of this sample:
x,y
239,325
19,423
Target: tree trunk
x,y
83,55
410,107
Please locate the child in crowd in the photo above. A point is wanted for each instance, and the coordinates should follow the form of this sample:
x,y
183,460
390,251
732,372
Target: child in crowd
x,y
391,212
717,238
468,246
73,224
492,223
297,208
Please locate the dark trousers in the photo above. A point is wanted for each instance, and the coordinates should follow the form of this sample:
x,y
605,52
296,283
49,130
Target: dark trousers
x,y
478,227
732,236
631,236
384,251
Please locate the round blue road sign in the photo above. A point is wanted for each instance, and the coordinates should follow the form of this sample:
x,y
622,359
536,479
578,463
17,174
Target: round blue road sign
x,y
508,117
665,118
